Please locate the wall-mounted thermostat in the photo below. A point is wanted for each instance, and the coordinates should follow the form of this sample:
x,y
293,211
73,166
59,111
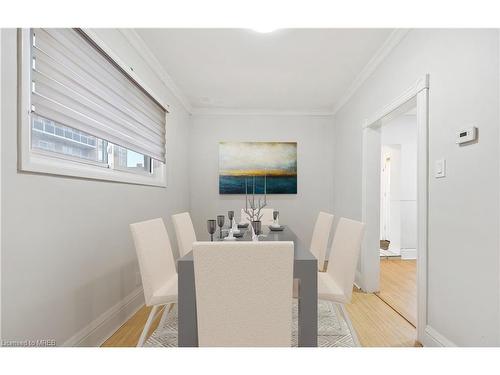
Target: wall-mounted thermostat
x,y
467,135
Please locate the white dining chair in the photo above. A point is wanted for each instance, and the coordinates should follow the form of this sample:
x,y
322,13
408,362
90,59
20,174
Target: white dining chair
x,y
267,216
244,293
157,267
320,237
184,231
319,244
337,282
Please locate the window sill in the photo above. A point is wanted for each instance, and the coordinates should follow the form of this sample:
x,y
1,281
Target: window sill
x,y
40,163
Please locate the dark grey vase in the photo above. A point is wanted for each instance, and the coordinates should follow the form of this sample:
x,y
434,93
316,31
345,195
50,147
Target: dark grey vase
x,y
257,227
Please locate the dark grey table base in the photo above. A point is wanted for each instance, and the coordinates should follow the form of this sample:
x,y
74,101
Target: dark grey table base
x,y
305,268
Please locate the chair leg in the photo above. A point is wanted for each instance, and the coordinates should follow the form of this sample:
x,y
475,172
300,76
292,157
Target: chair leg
x,y
340,314
164,316
296,286
145,331
349,324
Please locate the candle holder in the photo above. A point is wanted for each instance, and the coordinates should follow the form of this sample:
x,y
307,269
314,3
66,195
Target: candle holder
x,y
230,215
211,227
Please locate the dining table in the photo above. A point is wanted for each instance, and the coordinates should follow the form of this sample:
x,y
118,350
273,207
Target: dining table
x,y
305,268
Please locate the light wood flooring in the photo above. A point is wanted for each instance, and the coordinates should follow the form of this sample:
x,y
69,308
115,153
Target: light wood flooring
x,y
398,286
129,333
375,322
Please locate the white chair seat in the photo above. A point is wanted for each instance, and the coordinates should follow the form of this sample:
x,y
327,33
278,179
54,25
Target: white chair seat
x,y
329,290
166,293
336,283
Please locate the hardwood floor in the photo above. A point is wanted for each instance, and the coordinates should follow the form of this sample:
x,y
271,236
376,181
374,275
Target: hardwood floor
x,y
129,333
374,321
398,286
379,325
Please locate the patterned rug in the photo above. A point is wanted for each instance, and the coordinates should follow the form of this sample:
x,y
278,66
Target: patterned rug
x,y
333,331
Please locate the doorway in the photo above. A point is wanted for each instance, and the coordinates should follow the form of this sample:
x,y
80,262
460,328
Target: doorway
x,y
416,96
398,215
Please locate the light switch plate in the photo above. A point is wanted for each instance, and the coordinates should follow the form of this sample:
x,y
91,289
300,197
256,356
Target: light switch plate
x,y
440,168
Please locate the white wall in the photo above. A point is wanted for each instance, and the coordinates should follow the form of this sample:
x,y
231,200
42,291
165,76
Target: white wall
x,y
67,254
402,131
463,249
314,138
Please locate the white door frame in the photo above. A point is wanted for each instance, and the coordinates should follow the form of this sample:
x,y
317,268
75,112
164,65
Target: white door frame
x,y
385,197
370,259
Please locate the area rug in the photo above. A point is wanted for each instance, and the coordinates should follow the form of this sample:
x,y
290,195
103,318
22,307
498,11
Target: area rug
x,y
333,331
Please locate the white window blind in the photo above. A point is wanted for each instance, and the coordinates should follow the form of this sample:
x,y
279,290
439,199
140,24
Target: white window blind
x,y
76,84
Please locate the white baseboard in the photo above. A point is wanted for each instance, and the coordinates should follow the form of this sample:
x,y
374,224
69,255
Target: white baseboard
x,y
408,254
99,330
396,251
358,281
434,339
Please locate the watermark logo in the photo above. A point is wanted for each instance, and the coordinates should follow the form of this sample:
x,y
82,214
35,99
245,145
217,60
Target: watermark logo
x,y
29,343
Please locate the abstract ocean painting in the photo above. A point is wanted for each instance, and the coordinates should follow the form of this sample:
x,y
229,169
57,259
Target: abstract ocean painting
x,y
245,166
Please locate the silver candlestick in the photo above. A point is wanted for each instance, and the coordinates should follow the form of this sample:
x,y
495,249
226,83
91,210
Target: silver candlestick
x,y
253,207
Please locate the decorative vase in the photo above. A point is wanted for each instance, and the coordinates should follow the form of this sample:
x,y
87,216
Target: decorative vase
x,y
257,226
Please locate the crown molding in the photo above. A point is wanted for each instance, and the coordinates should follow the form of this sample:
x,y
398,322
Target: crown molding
x,y
138,43
390,43
259,112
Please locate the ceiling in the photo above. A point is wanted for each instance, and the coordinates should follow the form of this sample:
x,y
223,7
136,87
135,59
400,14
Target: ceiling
x,y
240,69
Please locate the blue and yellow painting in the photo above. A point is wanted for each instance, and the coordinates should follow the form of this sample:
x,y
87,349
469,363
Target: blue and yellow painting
x,y
269,167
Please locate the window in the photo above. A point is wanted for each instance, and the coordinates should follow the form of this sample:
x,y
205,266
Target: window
x,y
132,161
84,116
65,140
